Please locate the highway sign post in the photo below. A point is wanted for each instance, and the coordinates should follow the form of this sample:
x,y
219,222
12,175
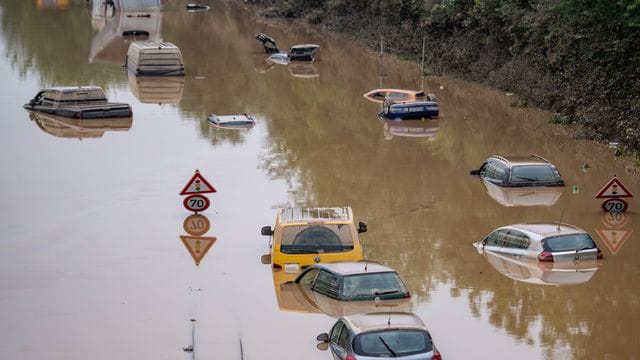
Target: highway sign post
x,y
613,192
195,188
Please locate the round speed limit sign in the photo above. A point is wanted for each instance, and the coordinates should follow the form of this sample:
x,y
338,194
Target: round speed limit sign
x,y
614,205
196,203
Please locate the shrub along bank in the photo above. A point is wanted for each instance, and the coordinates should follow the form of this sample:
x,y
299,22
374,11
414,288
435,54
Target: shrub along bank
x,y
577,58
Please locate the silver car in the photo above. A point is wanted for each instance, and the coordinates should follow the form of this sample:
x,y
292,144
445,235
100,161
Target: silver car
x,y
547,242
375,336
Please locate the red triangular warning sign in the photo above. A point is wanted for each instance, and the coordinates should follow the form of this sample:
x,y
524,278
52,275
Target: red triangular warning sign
x,y
197,246
614,238
614,189
197,185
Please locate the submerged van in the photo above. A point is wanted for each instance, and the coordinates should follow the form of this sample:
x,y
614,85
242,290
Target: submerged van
x,y
154,58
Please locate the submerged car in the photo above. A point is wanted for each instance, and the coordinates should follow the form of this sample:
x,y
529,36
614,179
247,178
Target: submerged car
x,y
78,102
243,121
352,281
513,171
299,297
397,95
268,43
532,271
546,242
383,335
305,236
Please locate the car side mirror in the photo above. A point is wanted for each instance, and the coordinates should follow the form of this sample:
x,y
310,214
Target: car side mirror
x,y
474,172
324,337
265,259
266,231
362,227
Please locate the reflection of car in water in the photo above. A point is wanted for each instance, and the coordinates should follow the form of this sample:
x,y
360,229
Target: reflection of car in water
x,y
392,335
298,297
156,89
116,32
304,236
546,242
542,273
78,128
516,171
524,196
411,128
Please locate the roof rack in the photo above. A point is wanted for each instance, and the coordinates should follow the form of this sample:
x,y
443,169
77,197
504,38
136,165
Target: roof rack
x,y
501,158
541,158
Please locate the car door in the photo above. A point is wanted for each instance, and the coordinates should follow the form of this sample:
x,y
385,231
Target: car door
x,y
338,340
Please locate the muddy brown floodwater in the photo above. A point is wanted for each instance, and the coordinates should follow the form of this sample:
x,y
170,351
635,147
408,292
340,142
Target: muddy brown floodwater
x,y
95,258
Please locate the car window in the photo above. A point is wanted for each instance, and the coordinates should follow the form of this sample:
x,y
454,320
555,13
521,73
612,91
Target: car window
x,y
571,242
310,239
335,332
370,286
527,173
397,96
343,339
494,170
308,277
495,238
392,343
326,283
515,239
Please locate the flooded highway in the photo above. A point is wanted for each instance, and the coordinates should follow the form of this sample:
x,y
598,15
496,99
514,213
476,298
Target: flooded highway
x,y
99,259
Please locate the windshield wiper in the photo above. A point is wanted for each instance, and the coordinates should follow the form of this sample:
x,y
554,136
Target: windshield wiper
x,y
300,251
526,178
386,292
387,346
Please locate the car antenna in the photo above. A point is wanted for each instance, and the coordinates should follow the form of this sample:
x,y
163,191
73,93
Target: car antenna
x,y
366,263
389,318
560,221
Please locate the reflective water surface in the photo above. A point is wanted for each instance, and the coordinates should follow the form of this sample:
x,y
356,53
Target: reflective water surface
x,y
97,258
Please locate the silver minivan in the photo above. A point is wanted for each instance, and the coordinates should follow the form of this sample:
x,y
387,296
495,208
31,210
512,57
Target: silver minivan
x,y
548,242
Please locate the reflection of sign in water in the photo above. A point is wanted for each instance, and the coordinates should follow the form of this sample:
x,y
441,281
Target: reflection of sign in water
x,y
614,220
196,224
198,246
614,238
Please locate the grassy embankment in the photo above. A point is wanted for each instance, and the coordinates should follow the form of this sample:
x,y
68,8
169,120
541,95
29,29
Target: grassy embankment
x,y
577,58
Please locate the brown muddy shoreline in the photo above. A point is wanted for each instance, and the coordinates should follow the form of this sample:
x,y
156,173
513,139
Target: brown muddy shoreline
x,y
567,66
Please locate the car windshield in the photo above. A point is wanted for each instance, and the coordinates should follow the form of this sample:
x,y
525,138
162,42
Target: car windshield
x,y
369,286
571,242
306,239
529,173
392,343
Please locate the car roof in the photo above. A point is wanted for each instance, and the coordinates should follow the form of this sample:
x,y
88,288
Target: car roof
x,y
354,267
360,323
547,229
321,214
514,160
72,88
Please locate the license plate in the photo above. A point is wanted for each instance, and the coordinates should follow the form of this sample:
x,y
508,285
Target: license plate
x,y
291,268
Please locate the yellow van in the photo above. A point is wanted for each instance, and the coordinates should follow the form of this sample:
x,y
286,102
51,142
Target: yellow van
x,y
305,236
